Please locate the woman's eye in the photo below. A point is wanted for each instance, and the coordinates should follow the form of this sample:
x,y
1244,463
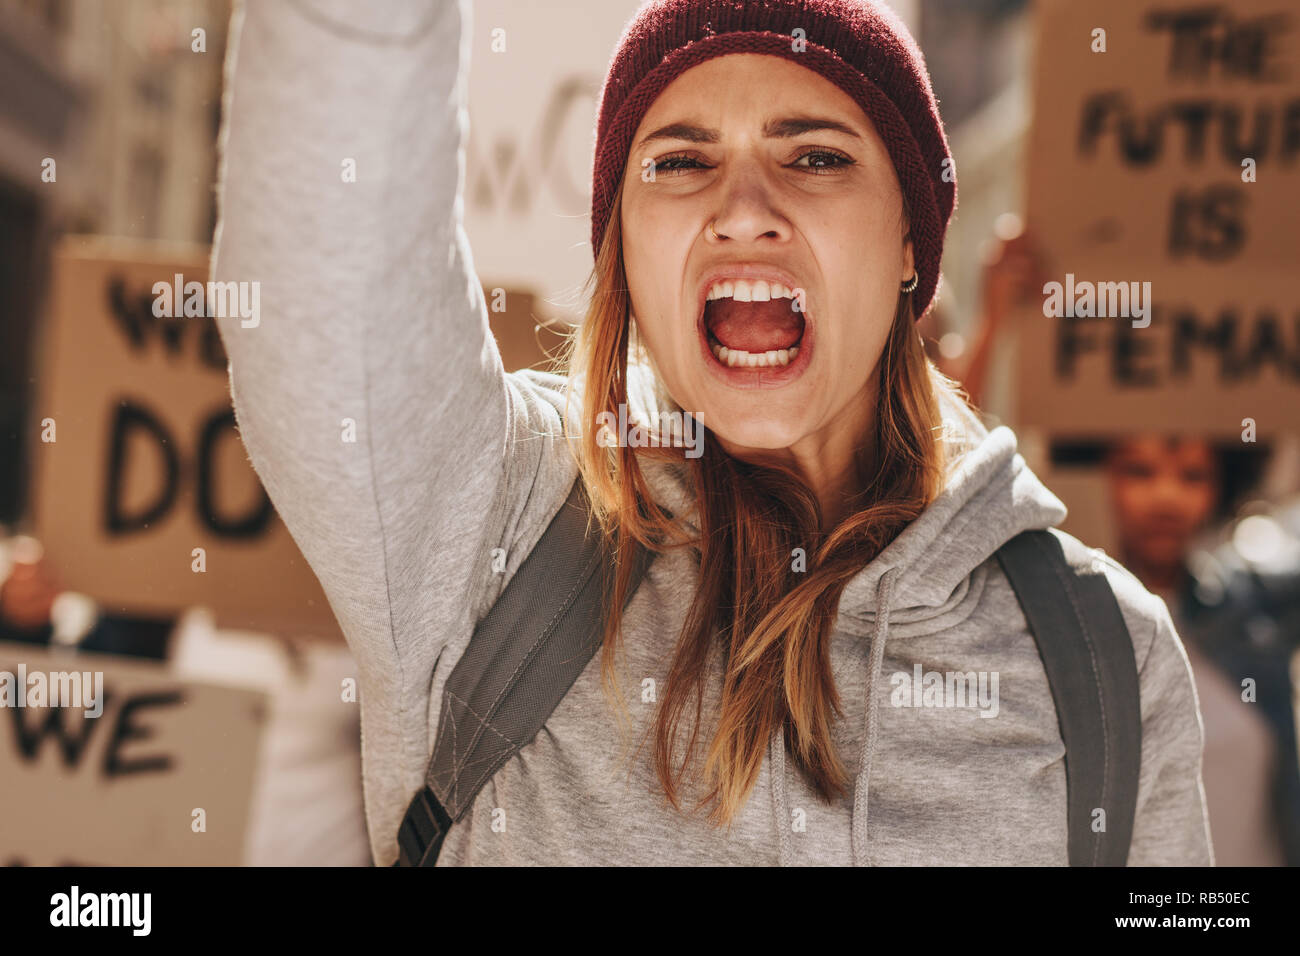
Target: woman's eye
x,y
822,160
818,161
675,163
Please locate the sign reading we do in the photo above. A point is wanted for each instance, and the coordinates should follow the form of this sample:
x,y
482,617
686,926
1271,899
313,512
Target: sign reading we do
x,y
144,495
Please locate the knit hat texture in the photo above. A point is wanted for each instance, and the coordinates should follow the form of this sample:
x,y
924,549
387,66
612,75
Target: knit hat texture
x,y
859,45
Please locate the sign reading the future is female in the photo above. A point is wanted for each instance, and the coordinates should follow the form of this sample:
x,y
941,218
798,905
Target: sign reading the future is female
x,y
1164,171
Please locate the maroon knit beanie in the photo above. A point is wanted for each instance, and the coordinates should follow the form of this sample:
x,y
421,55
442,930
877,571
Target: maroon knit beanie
x,y
859,45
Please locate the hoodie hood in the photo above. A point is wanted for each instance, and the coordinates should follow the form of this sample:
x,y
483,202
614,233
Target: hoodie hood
x,y
990,495
929,578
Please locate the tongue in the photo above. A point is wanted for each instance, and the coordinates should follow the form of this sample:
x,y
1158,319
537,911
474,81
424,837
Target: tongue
x,y
753,326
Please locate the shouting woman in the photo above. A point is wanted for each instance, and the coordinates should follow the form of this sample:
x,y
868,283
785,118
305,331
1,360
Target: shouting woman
x,y
770,191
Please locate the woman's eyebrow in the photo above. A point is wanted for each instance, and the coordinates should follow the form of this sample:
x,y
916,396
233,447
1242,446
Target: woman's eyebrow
x,y
785,128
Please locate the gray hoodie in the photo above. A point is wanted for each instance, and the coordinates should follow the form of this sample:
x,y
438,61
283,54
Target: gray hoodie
x,y
374,327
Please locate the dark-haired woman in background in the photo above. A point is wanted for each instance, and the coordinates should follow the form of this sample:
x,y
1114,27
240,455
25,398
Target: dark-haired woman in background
x,y
1239,628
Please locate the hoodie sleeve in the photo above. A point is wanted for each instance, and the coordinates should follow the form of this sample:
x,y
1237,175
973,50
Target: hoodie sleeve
x,y
369,392
1171,827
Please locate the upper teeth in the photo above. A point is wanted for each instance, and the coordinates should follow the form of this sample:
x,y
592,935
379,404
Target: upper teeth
x,y
749,290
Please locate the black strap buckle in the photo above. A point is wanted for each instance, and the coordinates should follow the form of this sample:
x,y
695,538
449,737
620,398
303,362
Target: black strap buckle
x,y
423,828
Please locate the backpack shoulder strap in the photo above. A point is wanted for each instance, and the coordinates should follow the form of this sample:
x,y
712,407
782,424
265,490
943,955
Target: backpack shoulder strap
x,y
1088,656
521,660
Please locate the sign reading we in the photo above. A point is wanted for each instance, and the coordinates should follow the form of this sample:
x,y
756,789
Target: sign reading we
x,y
143,494
1164,162
158,772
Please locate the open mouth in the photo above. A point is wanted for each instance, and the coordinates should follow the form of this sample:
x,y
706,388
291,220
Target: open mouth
x,y
752,323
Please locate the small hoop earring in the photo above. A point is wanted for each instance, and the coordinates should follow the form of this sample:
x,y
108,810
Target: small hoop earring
x,y
911,283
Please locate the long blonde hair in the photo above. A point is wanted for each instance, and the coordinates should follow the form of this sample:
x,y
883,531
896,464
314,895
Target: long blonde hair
x,y
766,625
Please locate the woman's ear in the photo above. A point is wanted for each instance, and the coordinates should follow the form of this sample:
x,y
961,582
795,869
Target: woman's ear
x,y
909,260
909,263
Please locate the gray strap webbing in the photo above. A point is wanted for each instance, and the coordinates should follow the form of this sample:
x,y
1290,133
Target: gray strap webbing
x,y
1088,656
545,628
521,660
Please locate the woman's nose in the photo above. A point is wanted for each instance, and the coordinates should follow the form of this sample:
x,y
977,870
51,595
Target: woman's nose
x,y
748,210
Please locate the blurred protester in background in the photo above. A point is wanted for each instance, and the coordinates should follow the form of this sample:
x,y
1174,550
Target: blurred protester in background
x,y
35,609
1237,609
309,771
1012,276
1236,606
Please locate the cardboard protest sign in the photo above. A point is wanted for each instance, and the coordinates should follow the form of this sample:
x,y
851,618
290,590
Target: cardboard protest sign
x,y
1211,361
143,493
1164,169
524,337
162,775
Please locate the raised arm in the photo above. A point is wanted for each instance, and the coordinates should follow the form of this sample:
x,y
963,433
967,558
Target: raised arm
x,y
369,393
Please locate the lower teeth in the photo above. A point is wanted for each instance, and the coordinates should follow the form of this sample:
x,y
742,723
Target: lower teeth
x,y
736,358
